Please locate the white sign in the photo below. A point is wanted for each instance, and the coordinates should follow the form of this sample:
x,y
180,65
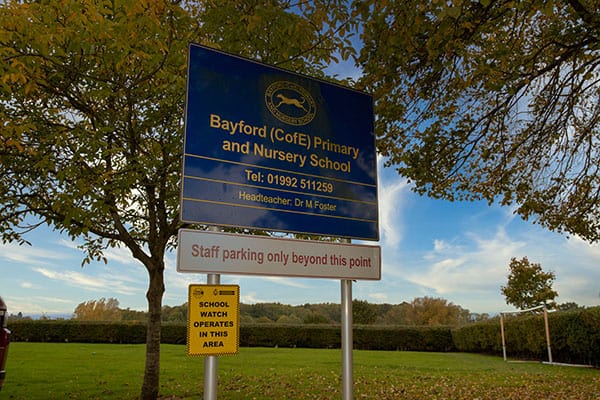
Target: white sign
x,y
223,253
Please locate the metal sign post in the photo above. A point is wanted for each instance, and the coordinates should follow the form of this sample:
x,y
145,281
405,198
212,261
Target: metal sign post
x,y
211,363
347,359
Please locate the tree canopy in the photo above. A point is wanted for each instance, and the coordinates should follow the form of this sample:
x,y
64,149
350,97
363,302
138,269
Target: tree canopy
x,y
493,100
528,285
91,104
98,310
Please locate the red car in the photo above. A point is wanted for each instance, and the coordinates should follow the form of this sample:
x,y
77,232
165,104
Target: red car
x,y
4,340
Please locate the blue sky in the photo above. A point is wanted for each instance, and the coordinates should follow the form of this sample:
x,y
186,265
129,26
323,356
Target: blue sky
x,y
459,251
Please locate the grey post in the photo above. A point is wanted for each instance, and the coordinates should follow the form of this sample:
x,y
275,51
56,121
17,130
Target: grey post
x,y
347,360
211,363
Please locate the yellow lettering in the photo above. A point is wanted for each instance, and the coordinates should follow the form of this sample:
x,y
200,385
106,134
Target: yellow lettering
x,y
327,163
215,121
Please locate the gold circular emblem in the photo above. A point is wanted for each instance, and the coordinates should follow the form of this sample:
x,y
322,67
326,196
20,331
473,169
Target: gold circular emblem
x,y
290,103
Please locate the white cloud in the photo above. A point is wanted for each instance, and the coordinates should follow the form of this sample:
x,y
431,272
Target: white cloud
x,y
290,282
440,246
107,282
29,285
118,254
391,196
480,266
250,298
72,278
378,297
26,254
578,245
29,305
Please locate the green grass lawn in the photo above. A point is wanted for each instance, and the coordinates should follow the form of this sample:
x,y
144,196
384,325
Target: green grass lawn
x,y
101,371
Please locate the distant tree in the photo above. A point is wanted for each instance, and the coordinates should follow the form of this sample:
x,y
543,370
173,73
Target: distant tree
x,y
430,311
399,314
98,310
133,315
175,314
383,309
528,285
492,100
271,311
568,306
19,317
289,319
245,319
363,312
331,311
316,317
475,317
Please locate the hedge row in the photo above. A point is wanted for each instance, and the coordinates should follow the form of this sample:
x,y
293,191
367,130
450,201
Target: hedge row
x,y
76,331
259,335
574,337
365,337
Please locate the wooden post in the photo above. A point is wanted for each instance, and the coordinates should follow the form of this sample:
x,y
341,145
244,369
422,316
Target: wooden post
x,y
503,337
547,334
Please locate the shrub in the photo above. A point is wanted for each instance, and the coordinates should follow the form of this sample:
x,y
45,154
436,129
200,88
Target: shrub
x,y
574,337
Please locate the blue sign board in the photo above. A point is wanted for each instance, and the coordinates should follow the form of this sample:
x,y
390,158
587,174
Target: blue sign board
x,y
265,148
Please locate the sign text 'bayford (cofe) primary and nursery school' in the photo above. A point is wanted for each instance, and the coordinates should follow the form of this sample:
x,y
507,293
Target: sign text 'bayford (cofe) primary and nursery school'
x,y
223,253
269,149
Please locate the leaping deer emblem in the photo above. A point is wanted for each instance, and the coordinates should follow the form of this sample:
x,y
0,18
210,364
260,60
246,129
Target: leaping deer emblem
x,y
291,102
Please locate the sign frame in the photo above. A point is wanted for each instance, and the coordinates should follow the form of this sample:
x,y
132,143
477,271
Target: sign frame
x,y
266,148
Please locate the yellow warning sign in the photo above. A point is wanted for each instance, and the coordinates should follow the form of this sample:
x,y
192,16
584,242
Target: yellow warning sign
x,y
213,320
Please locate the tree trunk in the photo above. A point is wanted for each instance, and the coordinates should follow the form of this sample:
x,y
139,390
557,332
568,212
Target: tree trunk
x,y
156,288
